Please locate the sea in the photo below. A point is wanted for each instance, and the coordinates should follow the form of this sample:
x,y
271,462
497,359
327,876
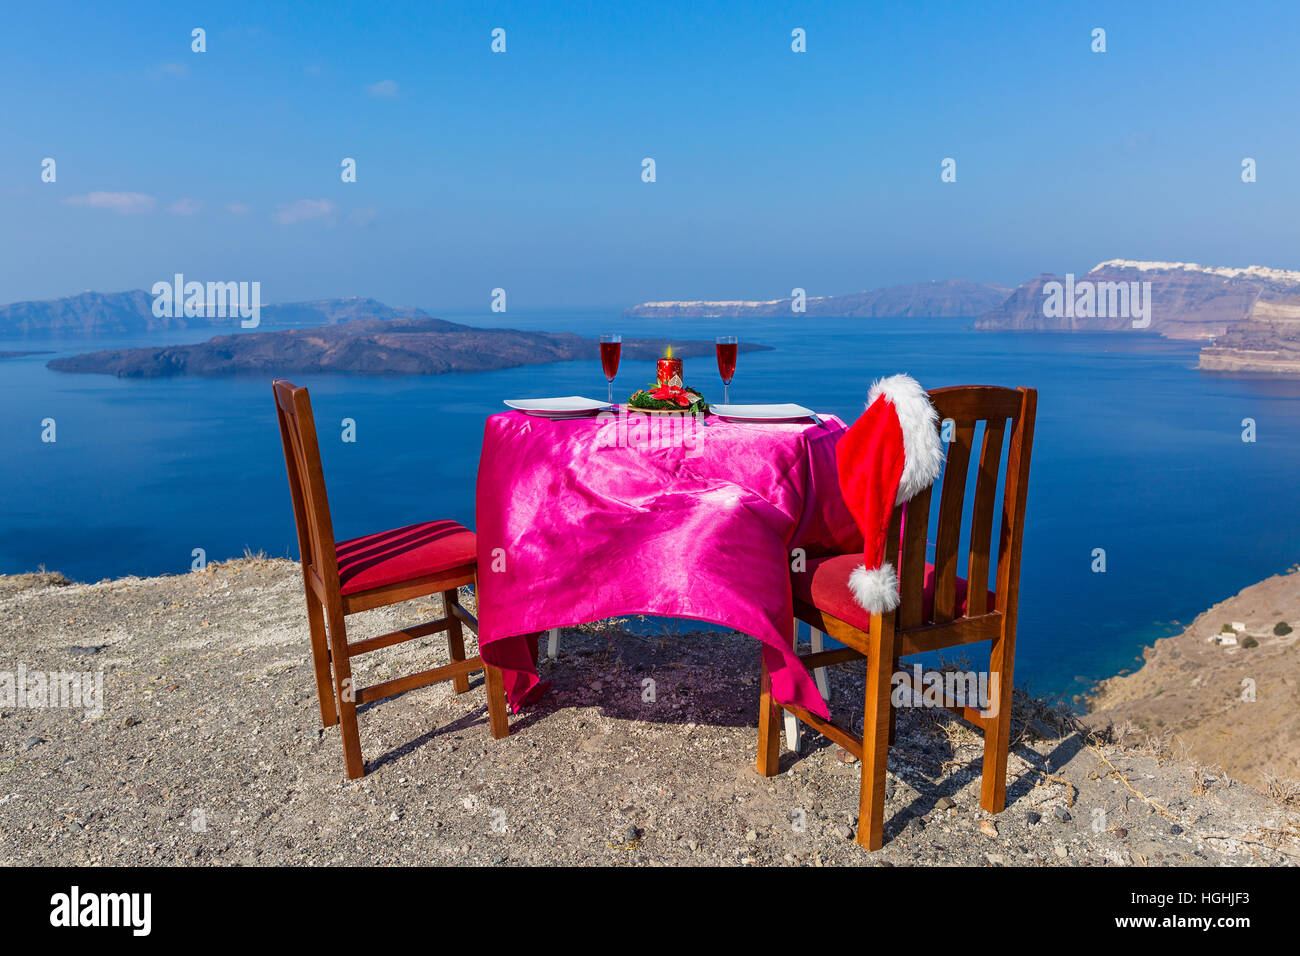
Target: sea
x,y
1185,484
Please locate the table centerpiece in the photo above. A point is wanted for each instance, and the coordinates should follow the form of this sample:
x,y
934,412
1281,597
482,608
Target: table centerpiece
x,y
669,394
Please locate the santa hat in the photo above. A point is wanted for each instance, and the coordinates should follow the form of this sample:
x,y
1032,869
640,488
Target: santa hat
x,y
890,453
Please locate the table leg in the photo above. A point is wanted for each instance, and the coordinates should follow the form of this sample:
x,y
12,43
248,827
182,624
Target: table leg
x,y
793,732
819,673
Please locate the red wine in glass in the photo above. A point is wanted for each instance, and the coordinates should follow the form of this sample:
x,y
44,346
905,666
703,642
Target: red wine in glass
x,y
611,346
727,347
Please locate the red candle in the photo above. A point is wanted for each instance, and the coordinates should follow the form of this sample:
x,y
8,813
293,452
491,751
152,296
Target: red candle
x,y
670,369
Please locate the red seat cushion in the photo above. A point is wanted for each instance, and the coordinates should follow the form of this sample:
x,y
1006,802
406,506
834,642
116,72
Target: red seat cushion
x,y
403,554
825,585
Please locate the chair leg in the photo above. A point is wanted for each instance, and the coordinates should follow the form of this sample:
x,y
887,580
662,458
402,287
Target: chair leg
x,y
346,696
997,739
455,639
819,673
498,719
875,733
320,654
553,643
793,731
769,732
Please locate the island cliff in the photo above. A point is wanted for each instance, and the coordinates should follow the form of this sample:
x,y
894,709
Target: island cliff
x,y
949,298
1249,318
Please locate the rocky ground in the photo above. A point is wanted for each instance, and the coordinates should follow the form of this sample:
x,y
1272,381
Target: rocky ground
x,y
209,751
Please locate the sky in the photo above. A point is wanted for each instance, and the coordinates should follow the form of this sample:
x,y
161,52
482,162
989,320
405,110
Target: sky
x,y
523,170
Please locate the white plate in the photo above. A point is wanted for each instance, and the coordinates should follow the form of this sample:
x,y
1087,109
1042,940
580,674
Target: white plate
x,y
570,406
763,413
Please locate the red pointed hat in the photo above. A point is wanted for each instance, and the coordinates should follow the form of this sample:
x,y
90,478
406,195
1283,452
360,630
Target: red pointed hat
x,y
890,453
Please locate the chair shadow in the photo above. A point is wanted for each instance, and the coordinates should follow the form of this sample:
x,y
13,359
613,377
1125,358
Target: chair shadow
x,y
928,797
465,722
695,682
699,684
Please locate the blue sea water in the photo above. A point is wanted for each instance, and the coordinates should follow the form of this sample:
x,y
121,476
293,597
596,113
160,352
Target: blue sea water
x,y
1136,453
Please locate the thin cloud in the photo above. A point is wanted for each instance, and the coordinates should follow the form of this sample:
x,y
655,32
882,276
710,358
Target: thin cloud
x,y
385,88
185,207
123,203
304,210
237,208
363,216
174,69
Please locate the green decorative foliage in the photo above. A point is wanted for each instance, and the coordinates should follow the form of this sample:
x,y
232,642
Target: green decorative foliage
x,y
643,399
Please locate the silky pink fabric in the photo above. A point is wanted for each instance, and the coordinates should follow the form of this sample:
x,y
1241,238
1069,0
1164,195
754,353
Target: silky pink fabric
x,y
584,519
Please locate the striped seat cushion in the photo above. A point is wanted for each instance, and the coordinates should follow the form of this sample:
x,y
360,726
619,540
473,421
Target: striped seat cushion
x,y
390,557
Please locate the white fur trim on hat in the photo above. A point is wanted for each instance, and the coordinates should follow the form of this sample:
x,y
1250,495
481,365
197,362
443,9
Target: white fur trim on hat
x,y
922,450
877,589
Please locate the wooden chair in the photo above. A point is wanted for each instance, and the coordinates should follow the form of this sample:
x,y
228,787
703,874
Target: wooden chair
x,y
436,557
937,609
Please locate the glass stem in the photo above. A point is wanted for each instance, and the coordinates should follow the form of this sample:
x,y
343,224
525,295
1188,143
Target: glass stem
x,y
726,393
610,383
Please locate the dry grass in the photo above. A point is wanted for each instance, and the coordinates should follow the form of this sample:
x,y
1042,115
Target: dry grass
x,y
13,583
1282,789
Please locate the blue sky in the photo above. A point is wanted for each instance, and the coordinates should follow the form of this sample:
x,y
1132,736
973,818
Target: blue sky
x,y
522,170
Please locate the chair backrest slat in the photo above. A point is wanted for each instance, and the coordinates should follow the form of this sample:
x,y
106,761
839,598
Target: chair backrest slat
x,y
306,482
911,573
1002,411
1014,498
892,542
981,524
948,538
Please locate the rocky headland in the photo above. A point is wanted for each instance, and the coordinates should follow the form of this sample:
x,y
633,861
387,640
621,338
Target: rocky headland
x,y
1225,691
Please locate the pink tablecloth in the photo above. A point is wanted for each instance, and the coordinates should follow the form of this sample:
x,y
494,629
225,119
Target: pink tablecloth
x,y
584,519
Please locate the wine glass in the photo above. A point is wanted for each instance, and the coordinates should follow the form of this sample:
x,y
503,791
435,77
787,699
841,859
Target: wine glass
x,y
727,347
611,345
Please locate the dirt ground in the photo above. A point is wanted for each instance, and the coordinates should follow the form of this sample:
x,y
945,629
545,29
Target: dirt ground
x,y
209,750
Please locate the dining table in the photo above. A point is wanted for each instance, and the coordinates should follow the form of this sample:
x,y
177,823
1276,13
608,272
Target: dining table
x,y
622,513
